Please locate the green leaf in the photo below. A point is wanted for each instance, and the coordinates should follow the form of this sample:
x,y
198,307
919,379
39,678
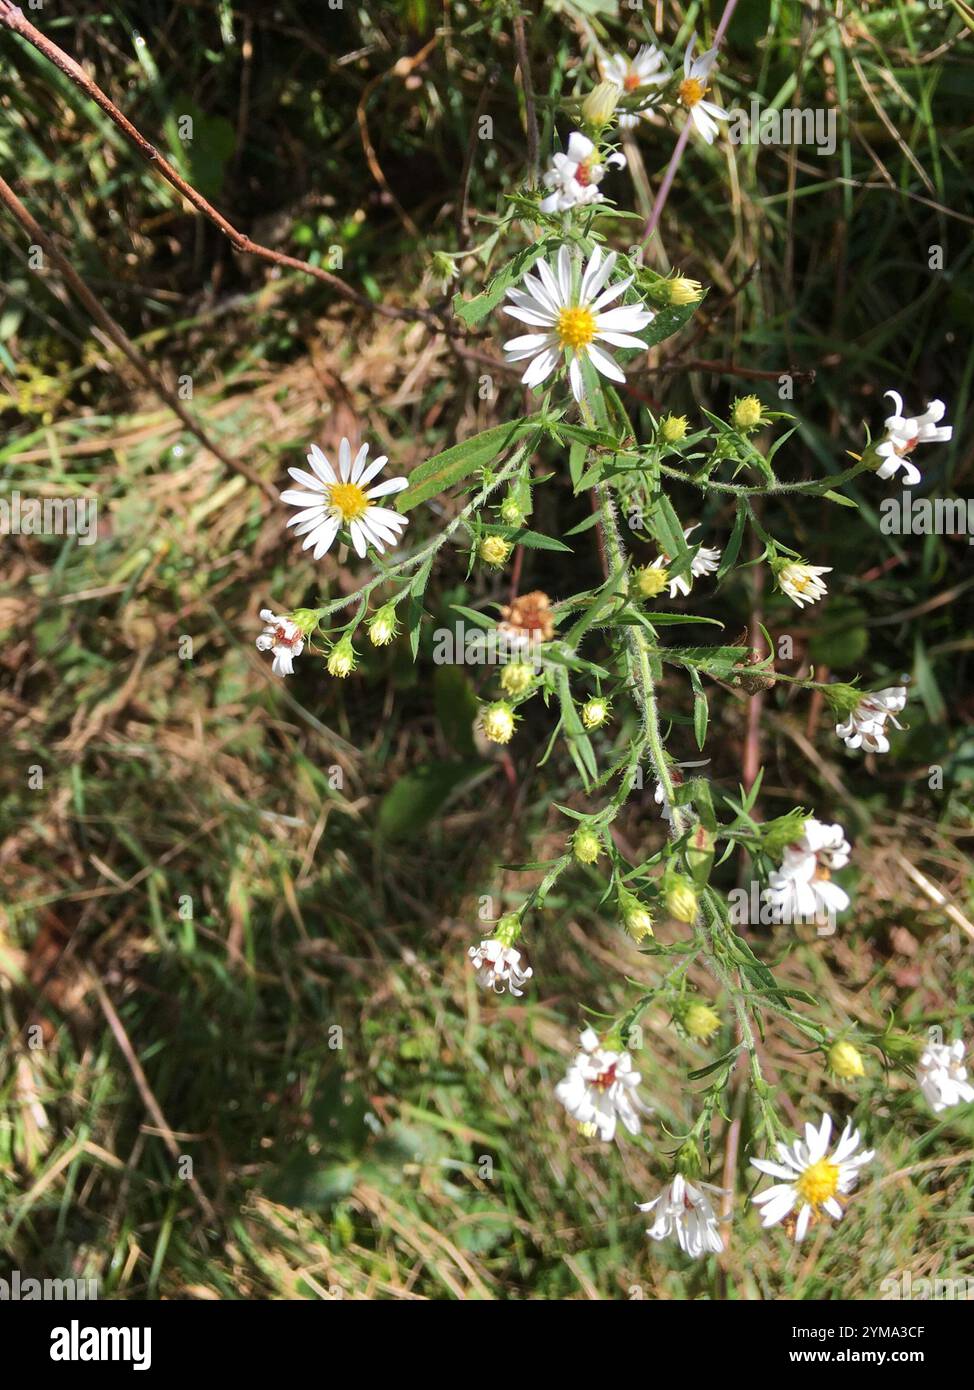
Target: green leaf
x,y
450,467
471,311
419,796
456,708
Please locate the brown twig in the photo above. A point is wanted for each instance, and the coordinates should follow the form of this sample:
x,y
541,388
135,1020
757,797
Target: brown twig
x,y
103,318
13,19
530,115
146,1094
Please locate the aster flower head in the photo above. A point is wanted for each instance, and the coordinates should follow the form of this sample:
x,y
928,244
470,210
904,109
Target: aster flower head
x,y
647,68
942,1076
904,433
810,1178
705,561
802,583
574,177
498,967
684,1212
801,889
693,89
284,638
571,322
600,1088
330,500
864,726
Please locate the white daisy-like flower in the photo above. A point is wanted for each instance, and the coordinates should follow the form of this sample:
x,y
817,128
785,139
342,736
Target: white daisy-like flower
x,y
327,501
572,321
498,967
905,432
282,637
802,583
599,1088
647,68
942,1076
574,177
693,88
802,889
865,725
705,561
811,1178
684,1210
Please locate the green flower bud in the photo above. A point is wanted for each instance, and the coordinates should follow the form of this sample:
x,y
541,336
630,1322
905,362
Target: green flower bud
x,y
673,428
586,846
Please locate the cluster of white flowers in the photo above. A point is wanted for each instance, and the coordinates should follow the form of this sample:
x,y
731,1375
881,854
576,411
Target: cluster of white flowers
x,y
600,1088
705,561
498,967
801,889
865,726
574,177
943,1076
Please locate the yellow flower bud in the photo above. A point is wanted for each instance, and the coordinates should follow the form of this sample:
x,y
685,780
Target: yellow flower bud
x,y
700,1020
497,722
673,428
382,628
599,106
595,712
638,919
650,582
586,846
682,290
517,678
747,414
494,551
341,659
846,1061
681,900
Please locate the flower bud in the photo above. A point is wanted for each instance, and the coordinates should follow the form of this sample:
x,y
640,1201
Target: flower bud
x,y
595,712
747,414
341,658
673,428
516,678
497,722
586,846
636,917
845,1061
599,106
510,511
383,627
681,900
650,582
508,929
700,1020
682,290
494,551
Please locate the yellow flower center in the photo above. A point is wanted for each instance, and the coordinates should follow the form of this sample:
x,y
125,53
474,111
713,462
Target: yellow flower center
x,y
691,91
819,1182
348,500
576,327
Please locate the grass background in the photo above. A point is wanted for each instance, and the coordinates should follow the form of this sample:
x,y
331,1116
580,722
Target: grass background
x,y
197,905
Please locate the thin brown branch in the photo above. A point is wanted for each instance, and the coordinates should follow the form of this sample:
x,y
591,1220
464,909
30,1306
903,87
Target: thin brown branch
x,y
103,318
530,115
13,19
